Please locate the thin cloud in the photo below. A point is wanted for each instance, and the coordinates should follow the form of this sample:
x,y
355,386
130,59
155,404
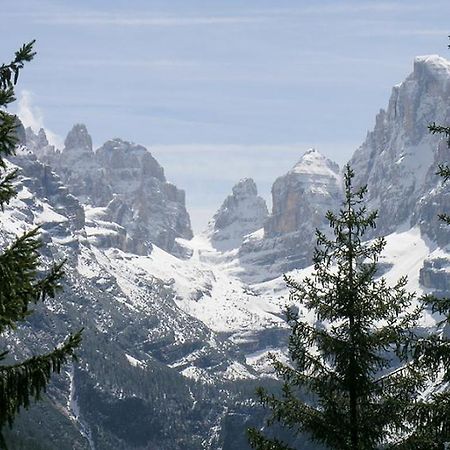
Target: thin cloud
x,y
339,152
225,148
408,32
343,8
31,116
113,19
363,7
137,63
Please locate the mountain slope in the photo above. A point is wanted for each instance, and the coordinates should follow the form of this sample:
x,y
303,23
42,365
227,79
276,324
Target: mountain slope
x,y
127,182
177,330
300,200
142,356
243,212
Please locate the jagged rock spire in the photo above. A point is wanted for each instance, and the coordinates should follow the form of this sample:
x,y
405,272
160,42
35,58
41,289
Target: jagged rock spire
x,y
241,213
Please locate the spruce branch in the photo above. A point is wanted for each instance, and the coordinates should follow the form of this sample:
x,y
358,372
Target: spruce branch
x,y
19,383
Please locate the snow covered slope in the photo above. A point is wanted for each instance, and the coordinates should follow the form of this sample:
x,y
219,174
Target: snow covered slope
x,y
243,212
173,325
399,158
139,345
126,181
300,200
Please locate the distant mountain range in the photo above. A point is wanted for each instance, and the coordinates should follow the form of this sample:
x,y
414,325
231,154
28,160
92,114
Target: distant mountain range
x,y
178,327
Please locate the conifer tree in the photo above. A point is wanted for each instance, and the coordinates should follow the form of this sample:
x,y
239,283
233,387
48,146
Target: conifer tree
x,y
22,279
346,387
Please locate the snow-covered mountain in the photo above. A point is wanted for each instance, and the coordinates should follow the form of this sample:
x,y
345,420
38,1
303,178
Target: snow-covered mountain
x,y
242,212
300,200
399,160
177,329
122,183
144,352
304,195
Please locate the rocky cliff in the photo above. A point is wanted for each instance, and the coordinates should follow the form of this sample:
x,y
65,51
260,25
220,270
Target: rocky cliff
x,y
243,212
302,196
399,158
300,201
126,183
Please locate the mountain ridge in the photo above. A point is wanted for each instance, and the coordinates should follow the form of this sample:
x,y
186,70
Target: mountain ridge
x,y
178,327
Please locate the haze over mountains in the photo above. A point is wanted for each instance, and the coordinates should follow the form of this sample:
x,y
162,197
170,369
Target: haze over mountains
x,y
177,328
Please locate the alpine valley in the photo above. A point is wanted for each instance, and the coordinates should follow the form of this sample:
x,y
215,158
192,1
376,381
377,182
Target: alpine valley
x,y
177,328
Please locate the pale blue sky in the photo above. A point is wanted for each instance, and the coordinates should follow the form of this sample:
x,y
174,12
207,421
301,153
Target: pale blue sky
x,y
220,89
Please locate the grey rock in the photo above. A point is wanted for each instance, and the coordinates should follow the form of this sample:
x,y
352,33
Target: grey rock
x,y
128,182
78,139
435,275
300,201
398,159
243,212
44,183
304,195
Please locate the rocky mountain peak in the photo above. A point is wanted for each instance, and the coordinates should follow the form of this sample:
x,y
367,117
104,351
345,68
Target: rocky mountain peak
x,y
122,184
305,193
315,163
245,188
398,159
129,160
78,138
37,143
42,138
242,213
433,66
300,200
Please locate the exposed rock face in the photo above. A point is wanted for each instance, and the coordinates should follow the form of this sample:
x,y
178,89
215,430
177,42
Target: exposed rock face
x,y
435,275
434,200
144,203
37,143
78,140
301,199
125,180
61,215
304,195
399,158
242,213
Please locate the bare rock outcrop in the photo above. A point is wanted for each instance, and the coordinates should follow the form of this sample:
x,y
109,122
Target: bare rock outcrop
x,y
300,201
127,183
399,158
243,212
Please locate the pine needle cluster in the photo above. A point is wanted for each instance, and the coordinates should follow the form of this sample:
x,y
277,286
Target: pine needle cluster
x,y
21,282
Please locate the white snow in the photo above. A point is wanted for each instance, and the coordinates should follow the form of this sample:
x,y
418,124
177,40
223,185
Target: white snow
x,y
74,411
406,250
440,66
313,163
49,215
135,362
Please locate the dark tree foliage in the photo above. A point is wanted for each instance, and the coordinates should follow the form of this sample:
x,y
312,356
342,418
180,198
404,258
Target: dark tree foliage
x,y
349,384
21,282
